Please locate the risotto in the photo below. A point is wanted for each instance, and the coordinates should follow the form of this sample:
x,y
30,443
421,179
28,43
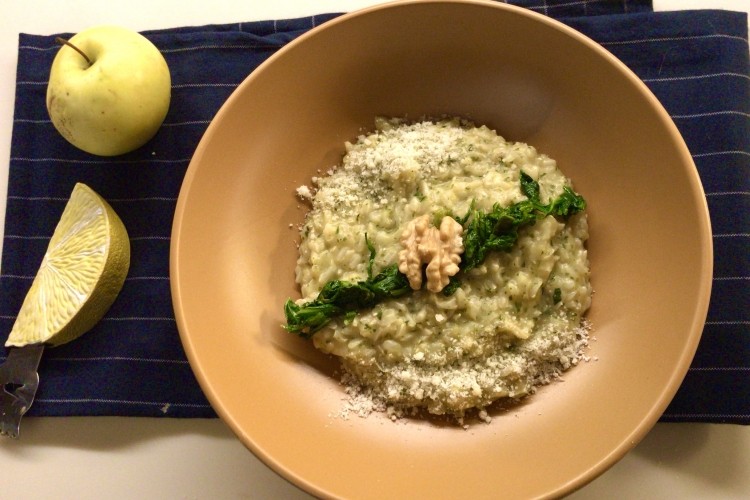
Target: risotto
x,y
499,317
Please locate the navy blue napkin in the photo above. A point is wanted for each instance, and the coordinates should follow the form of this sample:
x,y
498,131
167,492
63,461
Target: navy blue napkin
x,y
696,63
132,363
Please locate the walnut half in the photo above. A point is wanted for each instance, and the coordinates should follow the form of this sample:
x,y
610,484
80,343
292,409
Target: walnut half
x,y
440,249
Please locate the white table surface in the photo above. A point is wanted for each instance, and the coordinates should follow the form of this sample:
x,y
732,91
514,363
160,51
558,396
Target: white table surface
x,y
114,457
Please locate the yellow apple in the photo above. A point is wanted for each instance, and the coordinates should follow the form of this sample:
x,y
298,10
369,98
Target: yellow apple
x,y
109,90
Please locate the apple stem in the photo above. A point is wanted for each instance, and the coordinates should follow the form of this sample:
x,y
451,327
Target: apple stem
x,y
63,41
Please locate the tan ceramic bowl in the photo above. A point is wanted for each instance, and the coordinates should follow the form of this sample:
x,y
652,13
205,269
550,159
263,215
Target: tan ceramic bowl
x,y
533,80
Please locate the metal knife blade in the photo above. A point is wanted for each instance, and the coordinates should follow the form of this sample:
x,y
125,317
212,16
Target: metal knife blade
x,y
20,380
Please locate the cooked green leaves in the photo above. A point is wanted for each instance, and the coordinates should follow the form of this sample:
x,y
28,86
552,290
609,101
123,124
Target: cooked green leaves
x,y
484,232
497,230
340,297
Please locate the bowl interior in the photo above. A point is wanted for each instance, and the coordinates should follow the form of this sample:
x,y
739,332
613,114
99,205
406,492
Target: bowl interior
x,y
532,80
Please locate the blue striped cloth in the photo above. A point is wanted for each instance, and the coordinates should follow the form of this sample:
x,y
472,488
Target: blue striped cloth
x,y
132,363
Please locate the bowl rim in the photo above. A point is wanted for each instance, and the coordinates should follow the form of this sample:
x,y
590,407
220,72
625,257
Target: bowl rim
x,y
680,370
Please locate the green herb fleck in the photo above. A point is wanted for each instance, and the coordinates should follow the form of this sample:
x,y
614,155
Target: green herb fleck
x,y
371,259
453,285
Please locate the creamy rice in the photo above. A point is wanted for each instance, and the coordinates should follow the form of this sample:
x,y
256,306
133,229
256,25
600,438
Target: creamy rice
x,y
515,321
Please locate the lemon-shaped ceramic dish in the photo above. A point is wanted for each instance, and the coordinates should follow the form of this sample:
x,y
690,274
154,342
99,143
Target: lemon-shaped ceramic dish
x,y
80,276
533,80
